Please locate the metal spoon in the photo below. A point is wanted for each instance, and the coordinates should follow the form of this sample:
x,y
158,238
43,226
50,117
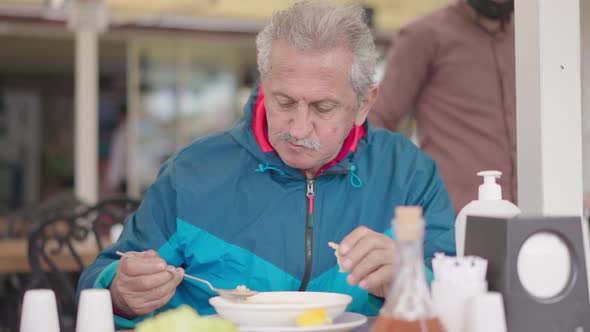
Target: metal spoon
x,y
238,293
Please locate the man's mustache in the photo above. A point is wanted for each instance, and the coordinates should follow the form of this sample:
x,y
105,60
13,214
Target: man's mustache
x,y
306,143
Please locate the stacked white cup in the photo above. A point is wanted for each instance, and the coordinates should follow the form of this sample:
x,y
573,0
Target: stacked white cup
x,y
39,311
485,313
95,311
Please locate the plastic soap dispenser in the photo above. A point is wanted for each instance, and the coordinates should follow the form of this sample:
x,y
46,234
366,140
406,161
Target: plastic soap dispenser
x,y
488,204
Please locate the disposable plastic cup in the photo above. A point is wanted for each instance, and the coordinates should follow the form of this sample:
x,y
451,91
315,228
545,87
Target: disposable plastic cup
x,y
485,313
450,298
39,311
95,311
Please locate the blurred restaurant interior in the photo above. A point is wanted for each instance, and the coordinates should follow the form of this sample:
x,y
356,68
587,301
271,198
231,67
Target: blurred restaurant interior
x,y
183,68
73,71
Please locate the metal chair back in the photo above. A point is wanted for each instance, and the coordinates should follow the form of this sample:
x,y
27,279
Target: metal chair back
x,y
57,246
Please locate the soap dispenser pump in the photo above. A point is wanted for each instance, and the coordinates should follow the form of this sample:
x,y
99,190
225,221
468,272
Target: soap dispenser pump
x,y
489,189
488,204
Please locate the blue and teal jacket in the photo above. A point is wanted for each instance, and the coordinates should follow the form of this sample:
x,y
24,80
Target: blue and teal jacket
x,y
227,209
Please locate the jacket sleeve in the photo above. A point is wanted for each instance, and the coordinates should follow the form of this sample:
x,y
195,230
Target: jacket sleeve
x,y
152,226
428,191
406,73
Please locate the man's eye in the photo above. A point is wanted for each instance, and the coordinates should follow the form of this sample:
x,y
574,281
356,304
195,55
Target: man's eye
x,y
287,104
324,108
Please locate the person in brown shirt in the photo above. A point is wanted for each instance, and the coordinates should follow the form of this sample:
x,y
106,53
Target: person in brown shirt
x,y
454,68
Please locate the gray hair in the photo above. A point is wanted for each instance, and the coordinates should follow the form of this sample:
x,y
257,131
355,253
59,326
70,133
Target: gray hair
x,y
319,26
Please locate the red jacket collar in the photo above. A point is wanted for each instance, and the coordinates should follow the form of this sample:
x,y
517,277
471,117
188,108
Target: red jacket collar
x,y
260,130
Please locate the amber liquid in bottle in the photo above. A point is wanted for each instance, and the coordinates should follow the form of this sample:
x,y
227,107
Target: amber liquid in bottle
x,y
387,324
408,307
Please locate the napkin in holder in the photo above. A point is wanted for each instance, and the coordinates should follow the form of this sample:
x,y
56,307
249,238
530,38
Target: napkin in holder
x,y
515,268
456,280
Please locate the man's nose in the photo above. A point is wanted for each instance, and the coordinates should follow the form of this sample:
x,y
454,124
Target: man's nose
x,y
301,123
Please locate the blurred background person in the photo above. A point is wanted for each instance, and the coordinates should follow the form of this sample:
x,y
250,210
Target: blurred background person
x,y
454,69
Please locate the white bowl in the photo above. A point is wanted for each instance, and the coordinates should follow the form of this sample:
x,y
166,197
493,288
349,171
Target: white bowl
x,y
279,308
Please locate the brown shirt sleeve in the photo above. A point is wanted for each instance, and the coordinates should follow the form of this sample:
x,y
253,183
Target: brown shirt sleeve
x,y
407,71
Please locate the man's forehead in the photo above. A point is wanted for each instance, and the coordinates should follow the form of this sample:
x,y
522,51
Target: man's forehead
x,y
329,64
307,91
307,75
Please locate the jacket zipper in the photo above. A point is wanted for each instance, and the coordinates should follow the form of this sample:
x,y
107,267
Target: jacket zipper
x,y
308,235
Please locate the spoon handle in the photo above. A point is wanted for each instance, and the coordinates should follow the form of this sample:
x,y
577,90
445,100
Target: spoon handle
x,y
171,269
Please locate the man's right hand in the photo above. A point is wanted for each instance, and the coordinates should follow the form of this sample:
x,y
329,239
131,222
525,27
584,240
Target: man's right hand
x,y
142,284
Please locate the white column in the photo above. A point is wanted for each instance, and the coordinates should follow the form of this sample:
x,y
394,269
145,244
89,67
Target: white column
x,y
86,118
585,21
133,106
548,106
87,18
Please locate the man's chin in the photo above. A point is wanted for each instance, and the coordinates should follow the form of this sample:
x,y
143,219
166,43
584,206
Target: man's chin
x,y
297,164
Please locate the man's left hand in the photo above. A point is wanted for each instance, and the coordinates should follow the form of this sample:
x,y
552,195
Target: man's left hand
x,y
368,256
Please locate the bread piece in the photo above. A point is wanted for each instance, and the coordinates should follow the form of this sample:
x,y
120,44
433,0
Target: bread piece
x,y
335,246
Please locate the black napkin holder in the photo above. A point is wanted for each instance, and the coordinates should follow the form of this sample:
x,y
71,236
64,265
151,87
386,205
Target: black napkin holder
x,y
500,240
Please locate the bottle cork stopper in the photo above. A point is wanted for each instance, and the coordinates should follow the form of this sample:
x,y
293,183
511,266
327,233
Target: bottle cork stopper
x,y
408,222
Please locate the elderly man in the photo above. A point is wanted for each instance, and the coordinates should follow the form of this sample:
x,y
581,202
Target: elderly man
x,y
258,204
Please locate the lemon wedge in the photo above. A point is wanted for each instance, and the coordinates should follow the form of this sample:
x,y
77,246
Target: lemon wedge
x,y
313,318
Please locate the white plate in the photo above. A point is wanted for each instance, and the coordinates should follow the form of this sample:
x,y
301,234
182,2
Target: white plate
x,y
279,308
344,323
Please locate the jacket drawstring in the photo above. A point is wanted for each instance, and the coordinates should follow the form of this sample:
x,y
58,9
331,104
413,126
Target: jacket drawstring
x,y
355,180
265,167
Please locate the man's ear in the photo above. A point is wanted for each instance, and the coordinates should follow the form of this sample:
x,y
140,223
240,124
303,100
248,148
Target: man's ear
x,y
366,106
